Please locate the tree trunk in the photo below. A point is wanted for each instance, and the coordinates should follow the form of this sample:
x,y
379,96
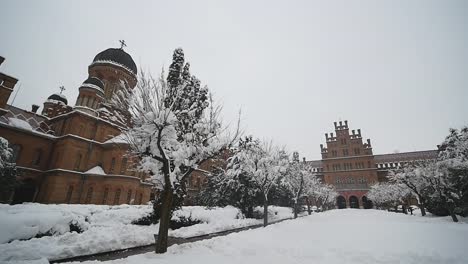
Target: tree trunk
x,y
403,207
250,212
161,244
452,214
309,209
265,212
295,209
423,210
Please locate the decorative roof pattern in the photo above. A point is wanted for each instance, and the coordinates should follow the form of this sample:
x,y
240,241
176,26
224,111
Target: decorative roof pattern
x,y
118,57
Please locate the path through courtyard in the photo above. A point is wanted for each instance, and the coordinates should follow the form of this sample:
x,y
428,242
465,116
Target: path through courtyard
x,y
337,236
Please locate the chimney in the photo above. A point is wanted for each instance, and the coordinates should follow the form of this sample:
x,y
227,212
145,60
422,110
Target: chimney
x,y
354,132
303,159
359,132
346,123
341,124
334,124
331,135
326,136
368,142
34,108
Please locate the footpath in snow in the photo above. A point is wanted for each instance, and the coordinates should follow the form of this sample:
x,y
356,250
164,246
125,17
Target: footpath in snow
x,y
105,228
337,236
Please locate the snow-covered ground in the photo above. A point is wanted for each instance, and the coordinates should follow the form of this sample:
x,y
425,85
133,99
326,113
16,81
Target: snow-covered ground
x,y
105,228
337,236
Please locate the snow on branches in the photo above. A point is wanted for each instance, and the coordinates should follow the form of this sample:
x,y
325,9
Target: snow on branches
x,y
262,162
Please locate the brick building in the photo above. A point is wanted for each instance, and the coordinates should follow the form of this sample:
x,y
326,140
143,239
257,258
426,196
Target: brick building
x,y
73,154
349,164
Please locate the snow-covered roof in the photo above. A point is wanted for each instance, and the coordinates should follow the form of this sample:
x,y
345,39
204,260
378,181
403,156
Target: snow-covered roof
x,y
96,170
92,86
19,123
406,156
113,63
120,139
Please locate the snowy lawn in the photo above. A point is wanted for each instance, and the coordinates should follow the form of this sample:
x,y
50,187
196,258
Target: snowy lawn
x,y
337,236
105,228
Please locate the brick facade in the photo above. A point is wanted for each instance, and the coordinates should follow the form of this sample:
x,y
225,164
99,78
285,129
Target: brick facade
x,y
55,150
349,164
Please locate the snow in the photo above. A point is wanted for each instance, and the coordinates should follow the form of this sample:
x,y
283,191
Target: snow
x,y
105,228
15,122
337,236
120,139
96,170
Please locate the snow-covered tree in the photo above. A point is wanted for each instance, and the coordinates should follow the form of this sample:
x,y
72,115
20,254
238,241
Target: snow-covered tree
x,y
325,194
240,192
261,162
7,171
174,127
388,195
416,178
299,179
451,177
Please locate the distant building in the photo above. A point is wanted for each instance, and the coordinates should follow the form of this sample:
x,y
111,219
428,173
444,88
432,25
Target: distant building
x,y
350,165
73,154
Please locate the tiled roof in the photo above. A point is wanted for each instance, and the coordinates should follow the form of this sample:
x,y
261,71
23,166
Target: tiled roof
x,y
406,156
33,119
315,163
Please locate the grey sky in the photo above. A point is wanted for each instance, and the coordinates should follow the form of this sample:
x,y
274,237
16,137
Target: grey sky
x,y
396,69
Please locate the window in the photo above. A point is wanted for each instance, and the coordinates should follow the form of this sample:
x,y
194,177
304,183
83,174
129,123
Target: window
x,y
140,199
104,198
77,162
369,164
129,196
91,102
37,157
85,101
117,196
123,166
112,165
89,195
69,194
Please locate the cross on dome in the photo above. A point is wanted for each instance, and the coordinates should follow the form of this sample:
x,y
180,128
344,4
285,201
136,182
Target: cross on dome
x,y
122,44
62,88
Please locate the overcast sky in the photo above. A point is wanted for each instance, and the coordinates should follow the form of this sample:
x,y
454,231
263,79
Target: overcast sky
x,y
396,69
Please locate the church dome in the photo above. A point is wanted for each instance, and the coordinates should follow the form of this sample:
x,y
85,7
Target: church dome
x,y
93,82
118,56
58,97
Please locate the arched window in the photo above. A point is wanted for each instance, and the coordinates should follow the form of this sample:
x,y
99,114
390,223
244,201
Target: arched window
x,y
91,102
69,194
112,167
85,101
123,166
78,101
129,196
77,162
37,157
16,152
117,197
89,195
104,198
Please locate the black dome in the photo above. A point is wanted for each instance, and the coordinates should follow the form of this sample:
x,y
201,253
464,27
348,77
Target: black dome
x,y
119,56
59,97
95,81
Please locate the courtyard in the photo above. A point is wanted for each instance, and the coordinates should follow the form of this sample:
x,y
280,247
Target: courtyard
x,y
336,236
